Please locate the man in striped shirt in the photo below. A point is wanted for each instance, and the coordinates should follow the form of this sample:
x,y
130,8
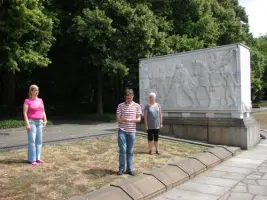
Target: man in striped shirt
x,y
128,114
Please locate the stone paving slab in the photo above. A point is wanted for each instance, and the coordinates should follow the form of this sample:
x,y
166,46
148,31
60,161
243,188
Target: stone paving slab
x,y
245,161
225,175
108,193
204,188
232,163
186,195
233,169
258,197
207,159
243,177
241,187
170,176
220,152
233,150
142,187
215,181
238,196
191,166
257,190
252,187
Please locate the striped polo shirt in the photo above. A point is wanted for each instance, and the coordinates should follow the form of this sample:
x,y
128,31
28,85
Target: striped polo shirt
x,y
128,111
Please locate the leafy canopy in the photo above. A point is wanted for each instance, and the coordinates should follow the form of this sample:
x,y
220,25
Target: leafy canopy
x,y
26,35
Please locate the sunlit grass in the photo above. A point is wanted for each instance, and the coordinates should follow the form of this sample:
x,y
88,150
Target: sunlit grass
x,y
78,168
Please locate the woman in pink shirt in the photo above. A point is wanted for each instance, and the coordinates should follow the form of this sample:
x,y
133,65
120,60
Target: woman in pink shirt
x,y
35,119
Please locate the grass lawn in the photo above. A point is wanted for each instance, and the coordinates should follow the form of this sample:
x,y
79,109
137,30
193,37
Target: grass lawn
x,y
260,104
78,168
262,118
15,123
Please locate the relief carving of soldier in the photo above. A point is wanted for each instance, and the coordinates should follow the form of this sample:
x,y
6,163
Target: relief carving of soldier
x,y
182,80
230,87
161,84
203,74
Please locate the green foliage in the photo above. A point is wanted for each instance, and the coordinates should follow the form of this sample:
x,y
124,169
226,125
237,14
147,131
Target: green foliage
x,y
105,117
261,81
180,44
139,33
93,29
26,35
108,38
257,65
4,124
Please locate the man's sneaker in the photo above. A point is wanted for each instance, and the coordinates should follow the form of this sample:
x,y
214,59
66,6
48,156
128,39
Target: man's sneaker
x,y
131,173
120,172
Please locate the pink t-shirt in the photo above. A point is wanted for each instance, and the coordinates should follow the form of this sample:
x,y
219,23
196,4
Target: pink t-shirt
x,y
35,108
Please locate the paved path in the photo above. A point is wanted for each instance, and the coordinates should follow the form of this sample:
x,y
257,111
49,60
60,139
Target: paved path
x,y
261,109
243,177
61,131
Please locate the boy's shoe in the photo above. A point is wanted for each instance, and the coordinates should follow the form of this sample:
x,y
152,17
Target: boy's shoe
x,y
120,172
131,173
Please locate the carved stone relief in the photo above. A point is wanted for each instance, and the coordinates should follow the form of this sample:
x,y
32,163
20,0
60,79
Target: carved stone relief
x,y
204,80
246,108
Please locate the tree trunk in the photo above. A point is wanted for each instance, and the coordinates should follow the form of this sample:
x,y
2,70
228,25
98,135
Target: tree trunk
x,y
118,92
100,92
9,93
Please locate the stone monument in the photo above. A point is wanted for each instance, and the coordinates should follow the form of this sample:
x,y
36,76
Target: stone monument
x,y
205,94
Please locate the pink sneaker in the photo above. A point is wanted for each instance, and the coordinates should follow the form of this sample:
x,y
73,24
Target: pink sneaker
x,y
33,163
40,161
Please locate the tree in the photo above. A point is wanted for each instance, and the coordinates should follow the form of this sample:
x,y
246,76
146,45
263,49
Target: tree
x,y
93,29
139,34
26,37
261,46
257,64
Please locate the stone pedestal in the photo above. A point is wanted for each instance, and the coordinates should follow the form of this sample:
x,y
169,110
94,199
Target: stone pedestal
x,y
243,133
204,94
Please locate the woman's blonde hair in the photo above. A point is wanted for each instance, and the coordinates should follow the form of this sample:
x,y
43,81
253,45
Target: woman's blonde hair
x,y
31,88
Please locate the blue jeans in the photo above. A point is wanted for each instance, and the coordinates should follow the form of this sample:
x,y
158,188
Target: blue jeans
x,y
126,142
35,140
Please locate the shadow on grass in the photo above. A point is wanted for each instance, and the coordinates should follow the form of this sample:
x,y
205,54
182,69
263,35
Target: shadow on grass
x,y
100,172
141,152
13,161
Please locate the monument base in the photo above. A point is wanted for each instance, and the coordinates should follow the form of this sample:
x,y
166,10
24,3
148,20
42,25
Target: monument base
x,y
244,133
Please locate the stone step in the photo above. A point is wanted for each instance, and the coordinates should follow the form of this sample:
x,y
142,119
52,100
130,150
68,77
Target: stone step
x,y
156,182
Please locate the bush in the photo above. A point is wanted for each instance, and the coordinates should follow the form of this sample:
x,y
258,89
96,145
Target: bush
x,y
15,123
105,117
